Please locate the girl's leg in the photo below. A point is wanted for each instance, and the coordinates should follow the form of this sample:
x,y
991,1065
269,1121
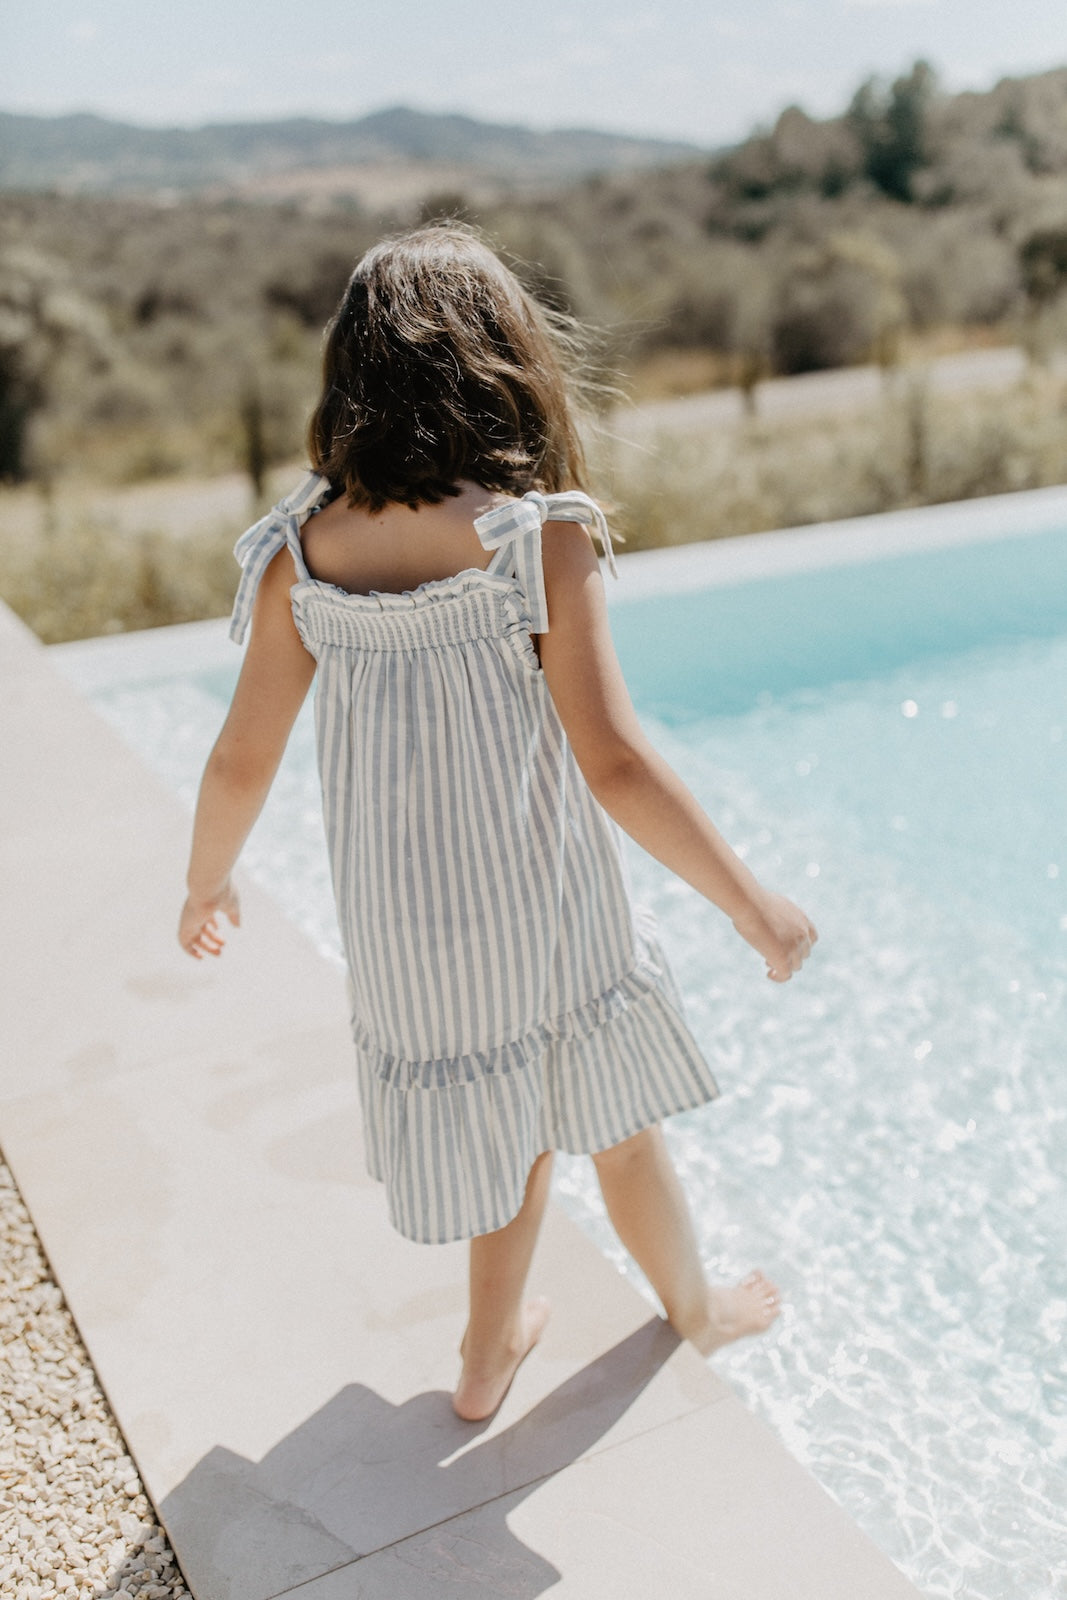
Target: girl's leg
x,y
502,1330
649,1213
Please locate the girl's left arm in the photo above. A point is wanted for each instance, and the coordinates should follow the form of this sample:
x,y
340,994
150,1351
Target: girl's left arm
x,y
275,678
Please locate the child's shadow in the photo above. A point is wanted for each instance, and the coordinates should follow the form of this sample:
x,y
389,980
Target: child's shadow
x,y
362,1474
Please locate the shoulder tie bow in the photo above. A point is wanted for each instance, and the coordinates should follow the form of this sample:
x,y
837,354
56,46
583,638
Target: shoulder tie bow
x,y
519,523
259,544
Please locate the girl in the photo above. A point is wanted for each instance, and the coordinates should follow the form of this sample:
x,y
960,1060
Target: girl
x,y
475,737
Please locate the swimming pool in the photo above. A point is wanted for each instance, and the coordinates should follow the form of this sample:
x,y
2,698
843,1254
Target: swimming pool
x,y
878,723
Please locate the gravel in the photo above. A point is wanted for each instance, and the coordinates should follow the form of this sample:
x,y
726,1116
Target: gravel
x,y
74,1517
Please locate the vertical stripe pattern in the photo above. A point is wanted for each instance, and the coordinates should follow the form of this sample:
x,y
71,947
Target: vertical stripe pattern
x,y
505,997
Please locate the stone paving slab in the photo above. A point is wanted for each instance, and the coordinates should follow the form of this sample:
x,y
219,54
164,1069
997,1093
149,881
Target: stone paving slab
x,y
187,1140
279,1360
95,1012
724,1515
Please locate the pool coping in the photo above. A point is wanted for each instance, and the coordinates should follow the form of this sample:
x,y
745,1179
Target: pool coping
x,y
187,1140
646,574
852,541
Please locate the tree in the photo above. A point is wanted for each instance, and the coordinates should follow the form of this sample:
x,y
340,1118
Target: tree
x,y
892,129
1043,265
42,321
1043,268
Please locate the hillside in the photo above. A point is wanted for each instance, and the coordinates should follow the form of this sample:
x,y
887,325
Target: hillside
x,y
822,243
88,154
139,338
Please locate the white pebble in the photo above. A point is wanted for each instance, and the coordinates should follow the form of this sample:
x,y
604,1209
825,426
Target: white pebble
x,y
63,1463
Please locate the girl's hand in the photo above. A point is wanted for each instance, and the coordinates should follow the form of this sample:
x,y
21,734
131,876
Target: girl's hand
x,y
198,931
780,931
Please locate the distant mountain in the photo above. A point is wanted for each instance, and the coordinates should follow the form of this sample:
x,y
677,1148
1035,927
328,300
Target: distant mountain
x,y
90,154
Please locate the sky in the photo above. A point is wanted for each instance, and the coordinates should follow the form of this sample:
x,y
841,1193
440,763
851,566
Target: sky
x,y
701,70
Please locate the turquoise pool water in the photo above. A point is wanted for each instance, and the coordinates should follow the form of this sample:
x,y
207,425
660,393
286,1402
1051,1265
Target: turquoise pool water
x,y
887,743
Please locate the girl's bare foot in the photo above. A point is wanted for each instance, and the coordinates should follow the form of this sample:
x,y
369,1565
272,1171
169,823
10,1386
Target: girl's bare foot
x,y
736,1313
483,1385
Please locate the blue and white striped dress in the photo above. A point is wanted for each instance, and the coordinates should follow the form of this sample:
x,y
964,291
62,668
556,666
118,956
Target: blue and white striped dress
x,y
506,997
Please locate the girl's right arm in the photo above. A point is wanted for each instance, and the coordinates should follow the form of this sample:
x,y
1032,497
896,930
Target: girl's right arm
x,y
626,774
275,677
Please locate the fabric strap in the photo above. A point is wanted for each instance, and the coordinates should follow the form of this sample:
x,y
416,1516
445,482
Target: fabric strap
x,y
517,524
256,548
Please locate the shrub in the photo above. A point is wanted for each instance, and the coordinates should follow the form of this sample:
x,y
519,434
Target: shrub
x,y
42,320
834,304
310,289
81,578
1043,263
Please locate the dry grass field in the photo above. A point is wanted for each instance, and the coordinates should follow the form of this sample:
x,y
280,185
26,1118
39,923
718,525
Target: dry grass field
x,y
83,561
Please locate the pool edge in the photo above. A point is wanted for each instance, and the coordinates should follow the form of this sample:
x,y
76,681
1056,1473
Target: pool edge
x,y
849,541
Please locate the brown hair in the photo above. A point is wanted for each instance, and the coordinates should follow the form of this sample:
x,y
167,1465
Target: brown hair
x,y
439,367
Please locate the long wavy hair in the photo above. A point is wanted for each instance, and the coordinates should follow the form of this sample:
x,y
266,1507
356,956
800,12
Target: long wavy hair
x,y
440,367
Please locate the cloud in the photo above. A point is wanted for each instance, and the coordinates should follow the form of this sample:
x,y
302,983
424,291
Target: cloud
x,y
83,32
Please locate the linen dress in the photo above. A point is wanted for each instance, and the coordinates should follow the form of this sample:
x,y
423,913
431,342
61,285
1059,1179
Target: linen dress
x,y
506,997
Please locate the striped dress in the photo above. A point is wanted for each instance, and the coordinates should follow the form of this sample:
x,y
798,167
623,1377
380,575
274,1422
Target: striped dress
x,y
506,996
